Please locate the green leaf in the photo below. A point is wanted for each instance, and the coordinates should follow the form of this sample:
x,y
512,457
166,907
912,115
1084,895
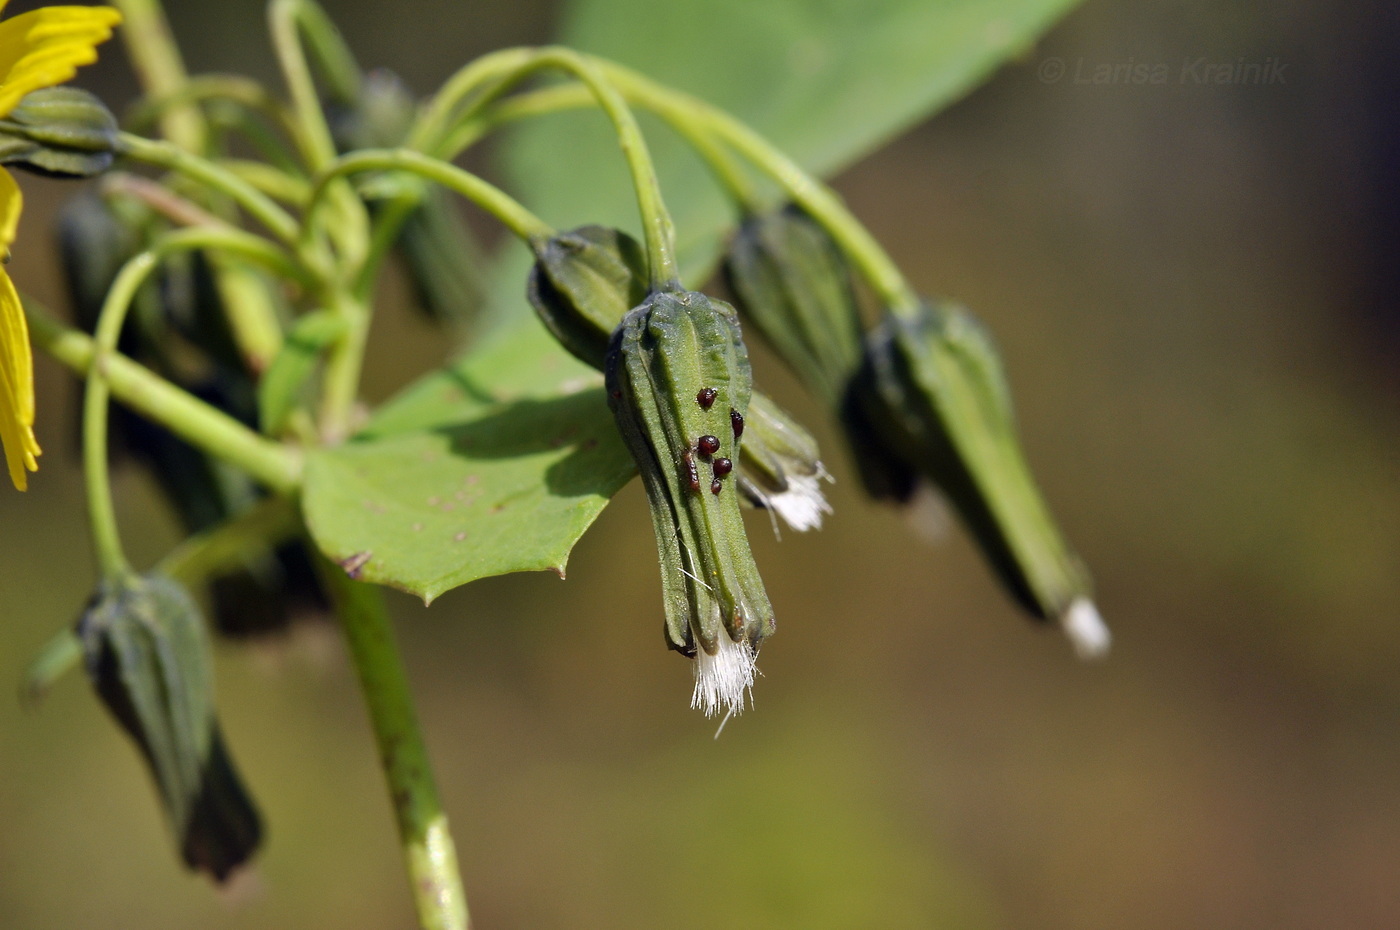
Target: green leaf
x,y
496,465
827,81
147,654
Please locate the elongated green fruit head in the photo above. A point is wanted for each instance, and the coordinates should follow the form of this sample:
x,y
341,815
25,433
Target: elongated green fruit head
x,y
791,280
679,385
782,470
933,400
583,283
60,131
147,655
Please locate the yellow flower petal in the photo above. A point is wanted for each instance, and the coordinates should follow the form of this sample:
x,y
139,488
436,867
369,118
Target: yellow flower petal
x,y
16,387
45,47
11,202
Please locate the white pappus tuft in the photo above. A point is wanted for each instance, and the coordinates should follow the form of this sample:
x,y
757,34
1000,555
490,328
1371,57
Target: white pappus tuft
x,y
1086,630
722,680
803,504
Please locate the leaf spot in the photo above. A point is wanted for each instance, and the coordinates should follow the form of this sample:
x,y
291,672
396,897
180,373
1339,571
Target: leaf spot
x,y
355,565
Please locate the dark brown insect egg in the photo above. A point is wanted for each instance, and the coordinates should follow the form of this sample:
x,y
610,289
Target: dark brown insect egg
x,y
736,420
716,487
708,445
692,474
723,467
706,398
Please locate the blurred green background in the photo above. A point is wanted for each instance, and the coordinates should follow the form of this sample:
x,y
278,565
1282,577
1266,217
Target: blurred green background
x,y
1194,288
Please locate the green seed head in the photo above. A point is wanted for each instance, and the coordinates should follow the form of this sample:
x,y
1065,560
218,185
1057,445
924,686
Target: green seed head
x,y
60,131
781,470
931,401
583,283
664,361
791,280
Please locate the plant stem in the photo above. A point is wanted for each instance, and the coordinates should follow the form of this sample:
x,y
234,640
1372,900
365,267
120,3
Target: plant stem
x,y
228,545
232,88
101,509
501,71
427,843
350,232
545,101
480,192
820,201
188,417
313,134
156,59
262,208
341,384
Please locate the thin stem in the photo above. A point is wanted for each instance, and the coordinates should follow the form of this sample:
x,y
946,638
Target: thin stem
x,y
56,658
480,192
572,96
286,18
820,201
428,848
494,75
290,189
483,72
258,205
229,545
313,134
341,383
156,59
233,88
185,415
102,512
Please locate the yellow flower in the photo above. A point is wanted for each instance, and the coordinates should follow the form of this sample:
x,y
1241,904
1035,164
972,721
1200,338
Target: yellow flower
x,y
37,49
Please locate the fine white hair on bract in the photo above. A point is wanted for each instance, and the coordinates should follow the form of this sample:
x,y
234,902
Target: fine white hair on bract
x,y
1086,630
722,680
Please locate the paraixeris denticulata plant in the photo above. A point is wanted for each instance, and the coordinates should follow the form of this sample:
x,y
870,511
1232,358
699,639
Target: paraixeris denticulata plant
x,y
223,272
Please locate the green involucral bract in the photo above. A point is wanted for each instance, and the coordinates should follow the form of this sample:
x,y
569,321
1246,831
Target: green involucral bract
x,y
782,468
582,284
666,352
147,655
931,400
59,131
790,279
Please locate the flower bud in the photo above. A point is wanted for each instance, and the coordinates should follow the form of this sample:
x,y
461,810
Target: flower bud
x,y
782,469
60,131
932,400
792,281
679,385
583,283
147,655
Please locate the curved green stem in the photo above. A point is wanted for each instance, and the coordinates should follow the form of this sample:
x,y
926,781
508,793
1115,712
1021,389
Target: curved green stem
x,y
233,88
480,192
313,133
202,425
428,848
171,157
496,75
156,59
820,201
721,162
479,75
287,20
101,510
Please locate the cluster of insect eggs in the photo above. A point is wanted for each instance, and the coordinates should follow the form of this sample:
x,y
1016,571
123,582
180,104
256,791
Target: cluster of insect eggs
x,y
708,445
